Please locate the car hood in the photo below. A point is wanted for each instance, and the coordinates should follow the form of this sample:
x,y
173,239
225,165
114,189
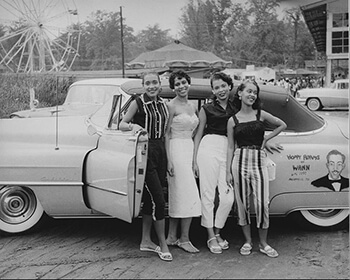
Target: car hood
x,y
63,110
45,131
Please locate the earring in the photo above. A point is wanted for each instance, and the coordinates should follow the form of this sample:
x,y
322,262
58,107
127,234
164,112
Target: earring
x,y
240,98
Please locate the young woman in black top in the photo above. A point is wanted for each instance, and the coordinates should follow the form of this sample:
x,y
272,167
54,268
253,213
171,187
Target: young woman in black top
x,y
209,161
246,162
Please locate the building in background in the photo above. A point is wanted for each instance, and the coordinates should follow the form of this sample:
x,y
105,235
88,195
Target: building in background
x,y
328,22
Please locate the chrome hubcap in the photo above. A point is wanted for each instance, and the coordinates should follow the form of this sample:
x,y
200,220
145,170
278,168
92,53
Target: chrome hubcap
x,y
17,204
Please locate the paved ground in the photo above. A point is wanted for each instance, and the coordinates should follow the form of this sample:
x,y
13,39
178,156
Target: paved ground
x,y
109,249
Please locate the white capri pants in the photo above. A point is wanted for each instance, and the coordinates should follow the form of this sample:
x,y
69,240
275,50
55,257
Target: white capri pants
x,y
211,160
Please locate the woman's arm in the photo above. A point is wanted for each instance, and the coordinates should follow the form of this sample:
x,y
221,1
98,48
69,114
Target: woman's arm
x,y
171,109
197,139
230,151
196,112
281,125
125,124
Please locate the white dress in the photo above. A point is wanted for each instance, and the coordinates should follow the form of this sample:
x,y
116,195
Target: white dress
x,y
184,200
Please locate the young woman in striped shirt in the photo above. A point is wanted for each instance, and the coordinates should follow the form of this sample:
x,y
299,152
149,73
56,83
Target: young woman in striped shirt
x,y
150,112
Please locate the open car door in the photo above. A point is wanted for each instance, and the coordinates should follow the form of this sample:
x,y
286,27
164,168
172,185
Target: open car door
x,y
115,172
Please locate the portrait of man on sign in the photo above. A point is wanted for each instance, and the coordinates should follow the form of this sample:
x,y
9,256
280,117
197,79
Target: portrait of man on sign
x,y
333,180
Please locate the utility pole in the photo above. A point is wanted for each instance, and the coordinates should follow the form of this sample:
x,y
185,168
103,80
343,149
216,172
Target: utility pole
x,y
122,39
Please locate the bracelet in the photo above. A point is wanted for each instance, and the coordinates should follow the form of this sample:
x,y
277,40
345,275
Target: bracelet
x,y
131,125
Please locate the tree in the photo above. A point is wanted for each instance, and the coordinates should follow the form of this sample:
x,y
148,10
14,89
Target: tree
x,y
197,25
153,38
303,44
246,34
102,38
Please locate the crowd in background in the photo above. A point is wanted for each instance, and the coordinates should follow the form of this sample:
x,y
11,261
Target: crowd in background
x,y
296,83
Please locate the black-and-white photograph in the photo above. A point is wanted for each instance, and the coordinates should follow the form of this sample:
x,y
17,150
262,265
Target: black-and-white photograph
x,y
187,139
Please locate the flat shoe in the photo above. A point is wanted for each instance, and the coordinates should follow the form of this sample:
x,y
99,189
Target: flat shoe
x,y
269,251
181,245
165,256
214,249
147,249
246,249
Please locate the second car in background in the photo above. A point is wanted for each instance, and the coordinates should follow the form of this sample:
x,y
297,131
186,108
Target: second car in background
x,y
83,98
335,96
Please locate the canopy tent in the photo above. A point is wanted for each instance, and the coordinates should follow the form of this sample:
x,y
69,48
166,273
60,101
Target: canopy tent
x,y
178,55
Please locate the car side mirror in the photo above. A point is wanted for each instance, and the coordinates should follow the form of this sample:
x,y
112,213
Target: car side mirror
x,y
91,130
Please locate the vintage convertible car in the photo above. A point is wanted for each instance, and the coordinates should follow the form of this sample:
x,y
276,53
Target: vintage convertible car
x,y
83,97
335,96
85,167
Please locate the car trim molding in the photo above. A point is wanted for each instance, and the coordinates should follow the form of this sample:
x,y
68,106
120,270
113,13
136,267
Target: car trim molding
x,y
12,183
108,190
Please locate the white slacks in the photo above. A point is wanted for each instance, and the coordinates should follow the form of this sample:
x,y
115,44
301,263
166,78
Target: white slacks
x,y
211,160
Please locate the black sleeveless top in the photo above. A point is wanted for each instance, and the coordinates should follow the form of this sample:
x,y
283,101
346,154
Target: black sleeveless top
x,y
217,118
249,133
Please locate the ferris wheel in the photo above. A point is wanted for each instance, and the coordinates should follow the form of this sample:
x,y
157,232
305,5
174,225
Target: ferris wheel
x,y
38,35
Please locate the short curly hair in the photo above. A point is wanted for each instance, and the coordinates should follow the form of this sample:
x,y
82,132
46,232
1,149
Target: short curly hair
x,y
144,74
178,74
221,76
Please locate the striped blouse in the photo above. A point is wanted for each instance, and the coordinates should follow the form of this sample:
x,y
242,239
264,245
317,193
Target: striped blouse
x,y
152,116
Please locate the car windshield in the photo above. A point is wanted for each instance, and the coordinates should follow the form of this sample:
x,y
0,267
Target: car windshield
x,y
101,117
90,94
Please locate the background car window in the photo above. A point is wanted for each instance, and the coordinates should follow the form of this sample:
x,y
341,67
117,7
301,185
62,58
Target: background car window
x,y
344,85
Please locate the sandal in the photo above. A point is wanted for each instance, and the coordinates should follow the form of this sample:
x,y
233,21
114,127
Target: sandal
x,y
165,256
246,249
223,244
175,243
269,251
181,245
148,249
214,249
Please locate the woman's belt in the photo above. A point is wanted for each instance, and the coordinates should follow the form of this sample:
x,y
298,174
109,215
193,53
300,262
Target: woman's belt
x,y
251,147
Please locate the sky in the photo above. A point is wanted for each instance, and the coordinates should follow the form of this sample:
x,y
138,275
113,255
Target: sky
x,y
138,14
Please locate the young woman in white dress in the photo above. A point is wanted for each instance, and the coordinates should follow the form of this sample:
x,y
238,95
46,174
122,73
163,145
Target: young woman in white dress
x,y
184,200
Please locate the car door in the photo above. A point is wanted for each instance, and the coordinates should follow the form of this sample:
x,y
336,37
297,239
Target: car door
x,y
115,172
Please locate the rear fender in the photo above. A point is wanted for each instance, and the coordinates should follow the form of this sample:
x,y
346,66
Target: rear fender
x,y
284,204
